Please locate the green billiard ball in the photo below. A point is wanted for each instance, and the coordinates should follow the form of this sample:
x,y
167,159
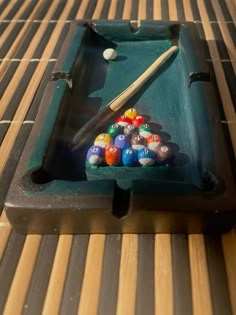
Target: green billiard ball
x,y
114,130
145,130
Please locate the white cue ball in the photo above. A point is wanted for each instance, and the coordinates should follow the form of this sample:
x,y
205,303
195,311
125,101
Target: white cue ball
x,y
109,54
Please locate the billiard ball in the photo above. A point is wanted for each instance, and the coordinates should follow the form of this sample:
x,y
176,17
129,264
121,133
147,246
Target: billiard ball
x,y
164,154
130,130
146,156
121,141
109,54
95,155
153,141
123,121
114,130
137,142
138,121
131,113
129,157
112,155
103,140
145,130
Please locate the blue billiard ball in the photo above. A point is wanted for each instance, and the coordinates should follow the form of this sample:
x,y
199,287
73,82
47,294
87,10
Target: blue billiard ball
x,y
122,141
95,155
146,156
129,157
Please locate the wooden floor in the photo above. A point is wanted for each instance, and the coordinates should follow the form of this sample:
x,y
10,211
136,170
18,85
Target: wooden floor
x,y
106,274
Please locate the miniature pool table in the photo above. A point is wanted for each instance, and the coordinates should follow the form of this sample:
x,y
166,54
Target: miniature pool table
x,y
55,190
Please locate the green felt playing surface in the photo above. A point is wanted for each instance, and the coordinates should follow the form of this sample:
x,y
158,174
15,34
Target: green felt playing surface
x,y
177,112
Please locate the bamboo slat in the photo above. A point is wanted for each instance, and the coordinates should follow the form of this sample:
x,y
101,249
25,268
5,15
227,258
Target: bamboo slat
x,y
58,275
16,44
5,231
112,9
27,98
232,9
7,10
127,9
163,275
18,75
225,33
98,9
188,10
128,275
82,9
229,248
157,9
199,276
21,280
92,276
142,10
220,76
172,10
6,33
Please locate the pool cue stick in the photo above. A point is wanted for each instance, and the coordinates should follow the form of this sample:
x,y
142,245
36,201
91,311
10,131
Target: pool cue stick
x,y
105,113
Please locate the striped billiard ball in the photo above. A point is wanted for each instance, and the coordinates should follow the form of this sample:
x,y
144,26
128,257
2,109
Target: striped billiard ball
x,y
137,142
95,155
165,154
130,130
103,140
146,156
153,141
145,130
123,120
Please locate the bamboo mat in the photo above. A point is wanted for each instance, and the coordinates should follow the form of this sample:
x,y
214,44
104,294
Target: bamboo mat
x,y
106,274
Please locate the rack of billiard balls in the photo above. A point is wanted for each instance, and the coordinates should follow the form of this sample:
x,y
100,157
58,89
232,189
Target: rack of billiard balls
x,y
129,142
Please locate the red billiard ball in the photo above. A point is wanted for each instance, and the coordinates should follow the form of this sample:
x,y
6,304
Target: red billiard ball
x,y
138,121
123,120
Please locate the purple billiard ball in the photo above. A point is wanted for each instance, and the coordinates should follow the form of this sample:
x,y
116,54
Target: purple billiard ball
x,y
122,141
95,155
137,142
146,156
129,157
